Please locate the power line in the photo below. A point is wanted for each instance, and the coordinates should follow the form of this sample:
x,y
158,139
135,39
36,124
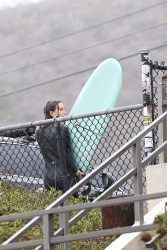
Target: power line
x,y
73,74
82,49
83,30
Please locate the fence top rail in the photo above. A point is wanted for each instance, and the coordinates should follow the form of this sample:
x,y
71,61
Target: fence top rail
x,y
71,117
91,205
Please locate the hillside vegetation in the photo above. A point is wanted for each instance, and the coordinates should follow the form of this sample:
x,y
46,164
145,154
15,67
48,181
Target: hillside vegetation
x,y
16,200
42,44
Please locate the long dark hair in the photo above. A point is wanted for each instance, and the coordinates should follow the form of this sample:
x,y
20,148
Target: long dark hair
x,y
50,106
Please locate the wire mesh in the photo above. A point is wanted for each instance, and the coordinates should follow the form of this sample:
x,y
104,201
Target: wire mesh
x,y
24,158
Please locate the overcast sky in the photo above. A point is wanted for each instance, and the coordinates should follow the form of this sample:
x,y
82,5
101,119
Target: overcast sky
x,y
14,3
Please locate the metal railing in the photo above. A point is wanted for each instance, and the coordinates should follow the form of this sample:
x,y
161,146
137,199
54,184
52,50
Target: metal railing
x,y
62,235
46,216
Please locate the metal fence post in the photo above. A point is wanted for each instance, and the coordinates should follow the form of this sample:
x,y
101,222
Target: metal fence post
x,y
146,88
64,223
138,183
48,231
162,107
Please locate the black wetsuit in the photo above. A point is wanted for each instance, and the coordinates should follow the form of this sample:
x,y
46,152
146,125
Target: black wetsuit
x,y
54,174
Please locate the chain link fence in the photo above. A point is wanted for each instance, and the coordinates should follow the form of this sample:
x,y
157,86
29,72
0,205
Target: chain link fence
x,y
157,70
26,151
22,157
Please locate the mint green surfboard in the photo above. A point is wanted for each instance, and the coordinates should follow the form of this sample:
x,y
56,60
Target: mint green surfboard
x,y
100,92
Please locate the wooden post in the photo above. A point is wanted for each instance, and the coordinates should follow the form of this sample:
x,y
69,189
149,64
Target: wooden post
x,y
118,216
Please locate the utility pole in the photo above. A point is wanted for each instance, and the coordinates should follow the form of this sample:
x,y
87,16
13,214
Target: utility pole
x,y
146,90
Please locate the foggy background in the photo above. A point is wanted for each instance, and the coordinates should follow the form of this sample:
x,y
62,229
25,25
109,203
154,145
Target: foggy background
x,y
53,44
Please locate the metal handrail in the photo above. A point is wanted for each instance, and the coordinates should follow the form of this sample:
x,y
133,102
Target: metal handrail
x,y
91,205
94,172
100,233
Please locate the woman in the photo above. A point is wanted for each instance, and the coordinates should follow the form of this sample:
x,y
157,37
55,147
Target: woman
x,y
47,137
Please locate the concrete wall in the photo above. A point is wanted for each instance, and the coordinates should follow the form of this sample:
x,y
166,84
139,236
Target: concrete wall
x,y
156,181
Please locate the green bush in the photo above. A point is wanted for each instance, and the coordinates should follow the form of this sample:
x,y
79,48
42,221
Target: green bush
x,y
16,200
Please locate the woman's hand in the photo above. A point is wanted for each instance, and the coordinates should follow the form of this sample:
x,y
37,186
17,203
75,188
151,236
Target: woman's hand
x,y
80,174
